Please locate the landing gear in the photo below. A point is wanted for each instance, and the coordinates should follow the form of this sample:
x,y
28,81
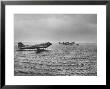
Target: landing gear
x,y
39,50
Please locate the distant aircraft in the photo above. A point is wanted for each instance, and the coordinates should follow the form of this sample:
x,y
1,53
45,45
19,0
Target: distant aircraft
x,y
67,43
37,46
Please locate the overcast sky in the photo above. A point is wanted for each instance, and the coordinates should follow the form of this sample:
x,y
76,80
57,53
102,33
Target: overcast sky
x,y
55,27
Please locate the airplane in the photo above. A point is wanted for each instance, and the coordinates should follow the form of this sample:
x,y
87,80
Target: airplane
x,y
67,43
21,46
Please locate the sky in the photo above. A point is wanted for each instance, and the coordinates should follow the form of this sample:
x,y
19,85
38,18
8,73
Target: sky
x,y
55,28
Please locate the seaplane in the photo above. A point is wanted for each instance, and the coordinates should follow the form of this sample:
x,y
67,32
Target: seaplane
x,y
37,47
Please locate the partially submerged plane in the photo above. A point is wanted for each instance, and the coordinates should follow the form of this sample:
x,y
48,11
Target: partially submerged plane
x,y
21,46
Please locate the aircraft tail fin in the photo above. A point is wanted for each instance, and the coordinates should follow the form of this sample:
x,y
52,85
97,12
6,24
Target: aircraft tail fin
x,y
20,44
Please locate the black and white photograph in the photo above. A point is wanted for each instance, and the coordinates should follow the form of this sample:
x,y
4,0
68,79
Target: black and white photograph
x,y
55,44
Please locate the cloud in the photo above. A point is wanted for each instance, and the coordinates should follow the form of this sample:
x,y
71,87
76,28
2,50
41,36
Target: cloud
x,y
55,27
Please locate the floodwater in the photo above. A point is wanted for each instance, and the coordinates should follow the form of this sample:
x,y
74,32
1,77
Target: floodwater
x,y
57,60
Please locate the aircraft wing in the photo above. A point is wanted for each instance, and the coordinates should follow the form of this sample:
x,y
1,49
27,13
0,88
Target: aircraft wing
x,y
38,46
